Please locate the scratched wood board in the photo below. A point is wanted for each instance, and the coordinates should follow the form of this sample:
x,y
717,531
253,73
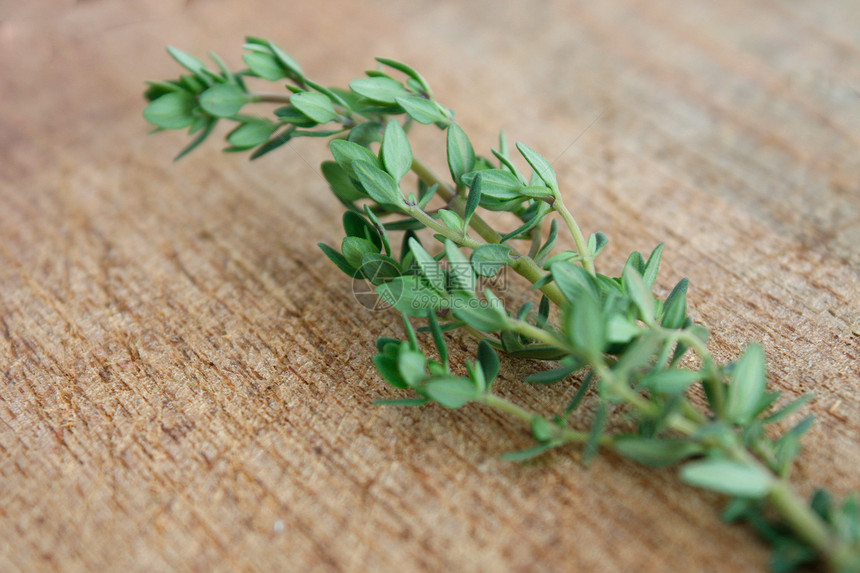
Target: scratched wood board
x,y
187,383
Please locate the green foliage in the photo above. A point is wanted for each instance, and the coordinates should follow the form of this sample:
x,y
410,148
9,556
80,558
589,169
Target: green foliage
x,y
173,110
461,156
609,334
317,107
224,100
396,153
728,477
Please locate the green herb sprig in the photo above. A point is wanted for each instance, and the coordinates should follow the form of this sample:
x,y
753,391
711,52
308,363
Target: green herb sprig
x,y
626,344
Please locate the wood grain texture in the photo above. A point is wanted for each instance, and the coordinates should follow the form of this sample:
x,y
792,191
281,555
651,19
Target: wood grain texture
x,y
187,384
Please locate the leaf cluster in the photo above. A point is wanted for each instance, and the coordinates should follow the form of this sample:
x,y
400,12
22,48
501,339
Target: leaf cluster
x,y
641,356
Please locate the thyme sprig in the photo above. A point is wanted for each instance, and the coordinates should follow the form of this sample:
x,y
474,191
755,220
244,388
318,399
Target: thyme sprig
x,y
624,342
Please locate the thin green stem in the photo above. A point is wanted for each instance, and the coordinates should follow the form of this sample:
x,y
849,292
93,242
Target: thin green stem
x,y
507,407
563,435
522,264
621,389
454,200
576,233
458,237
545,336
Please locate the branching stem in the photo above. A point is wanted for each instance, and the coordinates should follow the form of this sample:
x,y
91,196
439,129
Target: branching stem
x,y
522,264
576,233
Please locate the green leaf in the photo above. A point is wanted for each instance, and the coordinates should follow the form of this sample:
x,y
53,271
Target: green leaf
x,y
473,200
635,261
638,354
598,424
655,452
460,271
347,152
541,166
289,114
396,153
789,409
620,330
401,67
542,430
412,295
567,368
533,221
544,252
728,477
451,219
675,308
749,379
585,326
381,186
286,60
279,139
527,454
382,89
422,110
193,84
353,248
537,192
438,338
451,391
250,134
264,65
338,259
380,229
461,156
201,137
187,61
580,393
539,352
223,100
671,381
411,365
426,193
488,259
505,161
649,275
339,182
171,111
572,280
428,265
403,402
789,555
357,226
366,133
489,361
496,184
155,90
640,293
387,367
788,445
486,316
596,242
379,268
316,106
543,311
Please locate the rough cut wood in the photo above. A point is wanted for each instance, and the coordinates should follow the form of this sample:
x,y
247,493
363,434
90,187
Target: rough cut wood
x,y
187,383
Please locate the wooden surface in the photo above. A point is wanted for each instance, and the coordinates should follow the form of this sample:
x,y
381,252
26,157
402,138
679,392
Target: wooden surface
x,y
187,382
